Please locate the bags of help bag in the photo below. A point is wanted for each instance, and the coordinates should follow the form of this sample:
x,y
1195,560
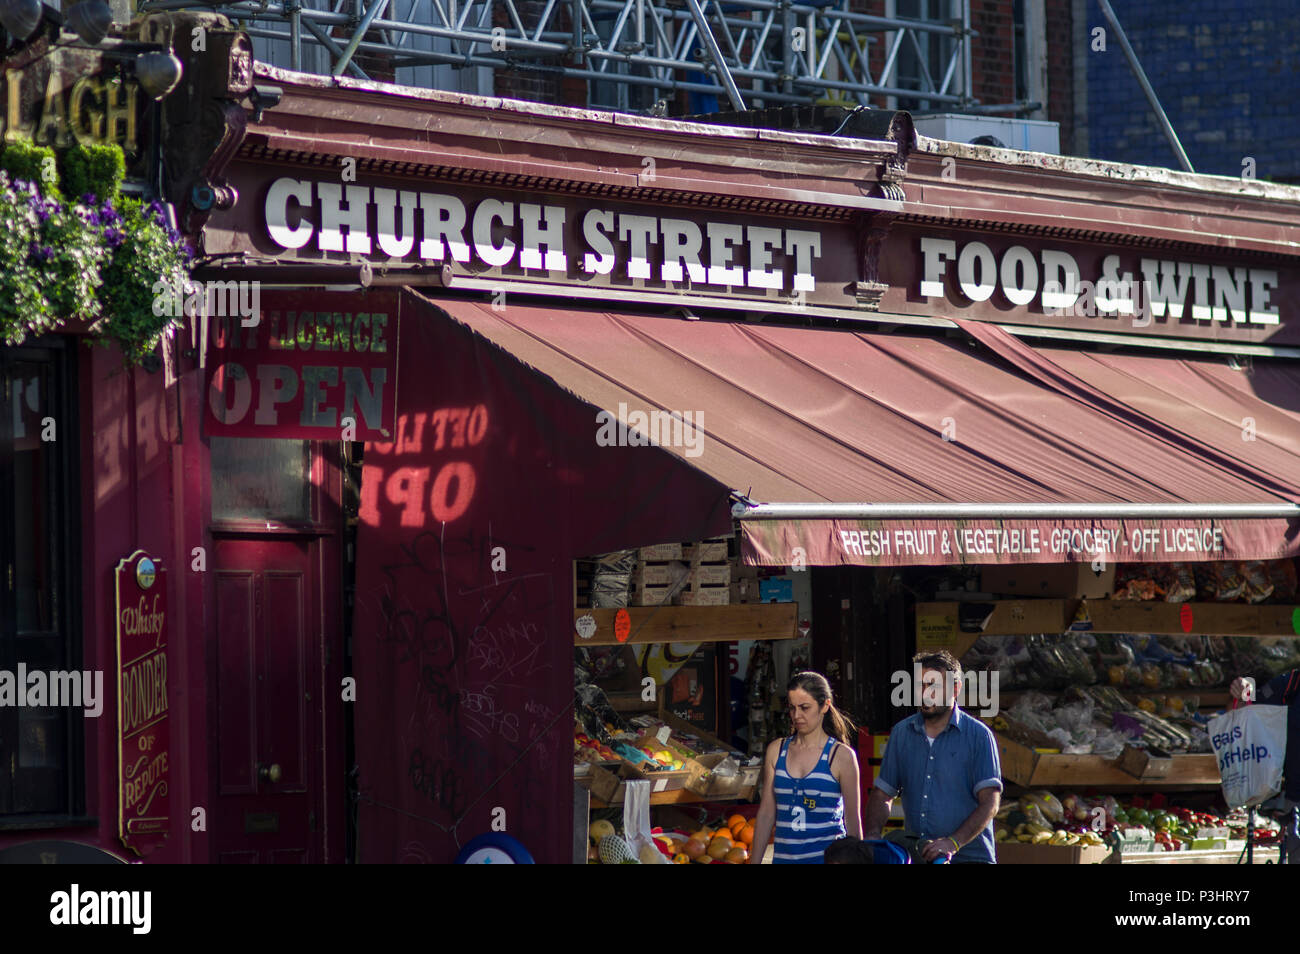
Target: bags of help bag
x,y
1250,745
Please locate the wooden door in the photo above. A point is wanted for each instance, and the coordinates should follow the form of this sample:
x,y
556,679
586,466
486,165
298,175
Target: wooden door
x,y
269,718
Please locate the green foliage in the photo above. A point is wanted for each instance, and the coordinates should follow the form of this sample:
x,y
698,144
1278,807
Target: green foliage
x,y
24,160
147,257
105,261
96,169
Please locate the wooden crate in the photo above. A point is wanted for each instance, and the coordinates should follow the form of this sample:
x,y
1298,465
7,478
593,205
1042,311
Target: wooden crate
x,y
1145,762
1024,766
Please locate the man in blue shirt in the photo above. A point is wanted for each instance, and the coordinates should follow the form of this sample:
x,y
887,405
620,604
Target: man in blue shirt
x,y
1283,690
945,764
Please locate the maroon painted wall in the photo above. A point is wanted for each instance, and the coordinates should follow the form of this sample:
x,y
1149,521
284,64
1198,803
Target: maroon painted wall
x,y
465,674
134,473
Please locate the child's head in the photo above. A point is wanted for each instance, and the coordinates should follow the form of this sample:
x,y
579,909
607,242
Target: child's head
x,y
849,851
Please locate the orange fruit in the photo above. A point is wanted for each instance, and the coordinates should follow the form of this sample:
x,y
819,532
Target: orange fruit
x,y
736,821
746,836
737,856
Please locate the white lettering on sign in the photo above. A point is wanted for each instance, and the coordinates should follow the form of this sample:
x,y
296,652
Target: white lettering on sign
x,y
1052,279
501,233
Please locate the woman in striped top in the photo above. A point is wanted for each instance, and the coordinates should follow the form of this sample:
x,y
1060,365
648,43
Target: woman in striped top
x,y
810,780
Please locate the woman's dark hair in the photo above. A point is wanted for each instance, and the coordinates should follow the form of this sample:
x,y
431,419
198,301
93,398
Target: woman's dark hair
x,y
834,722
849,851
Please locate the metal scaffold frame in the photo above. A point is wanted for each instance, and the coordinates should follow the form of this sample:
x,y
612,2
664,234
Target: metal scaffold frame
x,y
747,52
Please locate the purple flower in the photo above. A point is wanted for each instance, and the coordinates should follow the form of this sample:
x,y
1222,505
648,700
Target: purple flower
x,y
89,198
114,236
40,253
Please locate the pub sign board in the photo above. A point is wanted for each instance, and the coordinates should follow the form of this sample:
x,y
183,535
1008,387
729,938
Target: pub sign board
x,y
143,718
314,365
75,96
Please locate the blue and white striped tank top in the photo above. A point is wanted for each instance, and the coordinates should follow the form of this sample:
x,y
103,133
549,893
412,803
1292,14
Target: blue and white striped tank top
x,y
809,811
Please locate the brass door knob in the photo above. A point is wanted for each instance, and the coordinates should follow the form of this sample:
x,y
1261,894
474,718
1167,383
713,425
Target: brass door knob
x,y
269,773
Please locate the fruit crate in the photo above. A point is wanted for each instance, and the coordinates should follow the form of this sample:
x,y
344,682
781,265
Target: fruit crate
x,y
749,776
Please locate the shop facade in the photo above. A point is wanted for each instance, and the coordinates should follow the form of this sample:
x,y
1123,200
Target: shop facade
x,y
368,495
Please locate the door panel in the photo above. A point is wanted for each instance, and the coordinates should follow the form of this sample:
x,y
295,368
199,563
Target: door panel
x,y
237,657
268,624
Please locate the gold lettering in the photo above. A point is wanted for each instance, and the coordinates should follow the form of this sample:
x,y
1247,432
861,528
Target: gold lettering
x,y
53,127
121,116
15,128
85,134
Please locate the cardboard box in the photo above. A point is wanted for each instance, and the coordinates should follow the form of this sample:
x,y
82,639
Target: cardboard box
x,y
659,573
705,596
650,594
710,551
711,574
1048,580
776,590
660,551
1018,853
744,591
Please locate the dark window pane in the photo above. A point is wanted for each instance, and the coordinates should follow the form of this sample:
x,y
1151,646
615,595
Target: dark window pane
x,y
258,478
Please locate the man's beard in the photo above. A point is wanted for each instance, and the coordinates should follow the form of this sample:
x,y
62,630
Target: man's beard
x,y
934,713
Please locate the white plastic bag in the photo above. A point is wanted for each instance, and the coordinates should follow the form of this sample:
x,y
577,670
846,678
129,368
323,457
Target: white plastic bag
x,y
636,822
1250,744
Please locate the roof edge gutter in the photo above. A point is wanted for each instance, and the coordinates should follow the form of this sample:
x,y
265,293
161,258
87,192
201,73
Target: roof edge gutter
x,y
746,510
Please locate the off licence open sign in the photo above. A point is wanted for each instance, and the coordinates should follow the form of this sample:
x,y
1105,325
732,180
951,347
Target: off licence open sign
x,y
315,366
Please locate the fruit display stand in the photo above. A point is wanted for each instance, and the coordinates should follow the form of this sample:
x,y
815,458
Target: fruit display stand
x,y
1029,616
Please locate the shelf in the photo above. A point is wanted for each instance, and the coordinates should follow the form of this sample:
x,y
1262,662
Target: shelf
x,y
681,796
692,624
937,622
1026,767
1262,856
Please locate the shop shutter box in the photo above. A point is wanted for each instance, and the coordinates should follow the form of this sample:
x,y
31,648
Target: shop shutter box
x,y
1048,580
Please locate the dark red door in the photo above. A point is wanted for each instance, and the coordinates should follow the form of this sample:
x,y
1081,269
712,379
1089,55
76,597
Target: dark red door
x,y
268,636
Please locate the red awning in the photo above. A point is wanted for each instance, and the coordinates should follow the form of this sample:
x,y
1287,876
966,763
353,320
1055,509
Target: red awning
x,y
893,449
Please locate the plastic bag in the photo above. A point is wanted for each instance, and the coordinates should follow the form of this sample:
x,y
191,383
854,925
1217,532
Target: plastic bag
x,y
636,823
1250,744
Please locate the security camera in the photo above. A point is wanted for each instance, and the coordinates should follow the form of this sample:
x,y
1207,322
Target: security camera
x,y
263,98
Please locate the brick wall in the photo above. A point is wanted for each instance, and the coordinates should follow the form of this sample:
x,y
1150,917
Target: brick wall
x,y
1225,75
1060,70
992,53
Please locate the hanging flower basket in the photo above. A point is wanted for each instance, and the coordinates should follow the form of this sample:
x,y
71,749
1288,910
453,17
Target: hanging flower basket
x,y
91,265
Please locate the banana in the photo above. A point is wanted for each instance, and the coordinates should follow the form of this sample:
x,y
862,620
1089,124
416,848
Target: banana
x,y
1071,839
1024,839
1036,829
1042,837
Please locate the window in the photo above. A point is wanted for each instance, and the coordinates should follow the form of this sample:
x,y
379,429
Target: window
x,y
261,479
42,772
